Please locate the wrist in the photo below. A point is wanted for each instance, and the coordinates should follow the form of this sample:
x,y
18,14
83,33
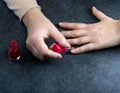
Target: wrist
x,y
32,16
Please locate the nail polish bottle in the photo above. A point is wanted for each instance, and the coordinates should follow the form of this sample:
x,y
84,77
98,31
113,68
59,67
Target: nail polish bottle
x,y
59,49
14,52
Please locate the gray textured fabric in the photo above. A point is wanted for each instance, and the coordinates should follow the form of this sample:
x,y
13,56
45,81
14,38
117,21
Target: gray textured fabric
x,y
92,72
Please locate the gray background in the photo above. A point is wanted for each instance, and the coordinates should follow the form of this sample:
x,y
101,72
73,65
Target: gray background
x,y
91,72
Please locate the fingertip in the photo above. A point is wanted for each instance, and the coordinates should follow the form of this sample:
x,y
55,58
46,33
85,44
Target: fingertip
x,y
60,23
97,13
73,51
52,46
63,24
64,43
94,9
53,54
59,38
59,56
68,45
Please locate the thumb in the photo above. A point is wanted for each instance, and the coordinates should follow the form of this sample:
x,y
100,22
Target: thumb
x,y
99,14
59,38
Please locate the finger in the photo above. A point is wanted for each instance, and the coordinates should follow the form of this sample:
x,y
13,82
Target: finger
x,y
79,41
52,46
60,38
99,14
47,54
84,48
74,33
35,53
43,52
68,25
52,54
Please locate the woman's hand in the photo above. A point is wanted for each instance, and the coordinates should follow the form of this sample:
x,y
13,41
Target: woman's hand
x,y
103,34
40,28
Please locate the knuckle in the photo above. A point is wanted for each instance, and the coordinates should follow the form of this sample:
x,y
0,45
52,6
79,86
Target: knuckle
x,y
27,42
76,32
98,45
39,56
88,47
77,26
45,54
75,41
79,40
93,46
42,58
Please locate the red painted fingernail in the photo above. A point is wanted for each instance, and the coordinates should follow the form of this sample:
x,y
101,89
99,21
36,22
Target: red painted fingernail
x,y
14,52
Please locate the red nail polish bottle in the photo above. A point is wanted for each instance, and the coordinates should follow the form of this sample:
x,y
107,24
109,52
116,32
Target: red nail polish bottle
x,y
59,49
14,53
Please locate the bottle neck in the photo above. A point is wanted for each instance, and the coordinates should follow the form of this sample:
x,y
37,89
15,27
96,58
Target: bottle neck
x,y
14,45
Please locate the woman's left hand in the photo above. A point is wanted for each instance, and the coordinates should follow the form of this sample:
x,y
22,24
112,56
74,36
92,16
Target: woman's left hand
x,y
103,34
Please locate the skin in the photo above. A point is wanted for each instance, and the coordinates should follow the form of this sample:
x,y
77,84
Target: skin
x,y
95,36
40,28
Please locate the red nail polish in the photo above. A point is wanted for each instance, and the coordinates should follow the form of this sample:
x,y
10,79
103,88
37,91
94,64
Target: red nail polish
x,y
14,53
59,49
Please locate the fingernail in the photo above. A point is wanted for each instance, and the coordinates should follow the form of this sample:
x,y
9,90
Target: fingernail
x,y
60,23
60,57
72,51
65,43
68,45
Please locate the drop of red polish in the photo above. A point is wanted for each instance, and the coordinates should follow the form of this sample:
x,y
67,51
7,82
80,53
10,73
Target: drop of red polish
x,y
14,52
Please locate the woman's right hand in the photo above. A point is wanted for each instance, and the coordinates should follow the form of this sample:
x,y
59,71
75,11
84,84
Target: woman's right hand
x,y
40,28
